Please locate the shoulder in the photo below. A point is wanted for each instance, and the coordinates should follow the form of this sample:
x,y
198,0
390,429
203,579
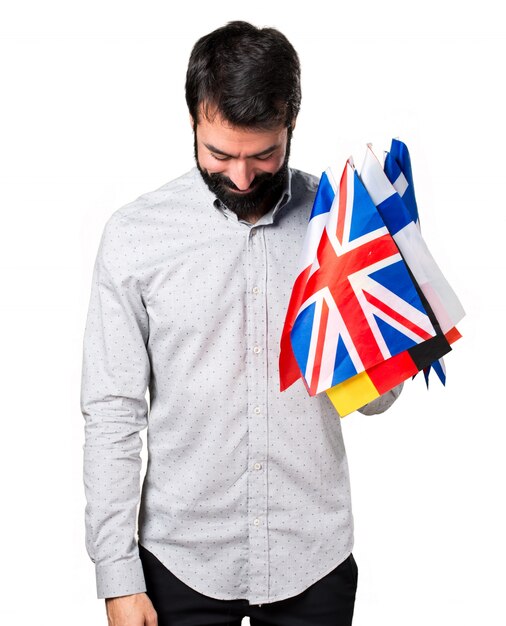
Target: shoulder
x,y
304,182
165,198
158,208
303,187
134,228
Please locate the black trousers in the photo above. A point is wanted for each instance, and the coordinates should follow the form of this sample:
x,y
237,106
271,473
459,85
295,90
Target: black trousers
x,y
328,602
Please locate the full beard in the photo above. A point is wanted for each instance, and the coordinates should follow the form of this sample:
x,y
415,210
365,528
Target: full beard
x,y
266,188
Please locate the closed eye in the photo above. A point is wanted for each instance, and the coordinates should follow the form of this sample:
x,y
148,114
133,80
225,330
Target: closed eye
x,y
220,158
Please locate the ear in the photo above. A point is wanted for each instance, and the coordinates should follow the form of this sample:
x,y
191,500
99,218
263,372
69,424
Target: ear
x,y
293,123
192,121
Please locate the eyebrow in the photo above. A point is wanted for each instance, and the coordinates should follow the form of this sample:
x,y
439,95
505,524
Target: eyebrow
x,y
218,151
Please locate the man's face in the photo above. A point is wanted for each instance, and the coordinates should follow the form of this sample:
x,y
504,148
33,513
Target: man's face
x,y
246,169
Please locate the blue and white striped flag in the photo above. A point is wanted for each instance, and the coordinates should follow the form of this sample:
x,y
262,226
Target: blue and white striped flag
x,y
392,191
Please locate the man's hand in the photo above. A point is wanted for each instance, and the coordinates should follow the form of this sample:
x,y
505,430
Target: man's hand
x,y
132,610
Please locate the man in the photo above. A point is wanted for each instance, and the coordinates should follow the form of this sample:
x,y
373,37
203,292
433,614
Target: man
x,y
245,508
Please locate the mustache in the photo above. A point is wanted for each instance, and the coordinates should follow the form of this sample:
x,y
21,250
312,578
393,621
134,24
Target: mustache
x,y
227,182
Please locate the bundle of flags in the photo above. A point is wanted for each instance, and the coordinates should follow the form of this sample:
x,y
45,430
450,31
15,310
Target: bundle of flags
x,y
370,308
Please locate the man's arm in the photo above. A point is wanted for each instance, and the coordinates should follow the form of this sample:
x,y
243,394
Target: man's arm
x,y
115,376
384,402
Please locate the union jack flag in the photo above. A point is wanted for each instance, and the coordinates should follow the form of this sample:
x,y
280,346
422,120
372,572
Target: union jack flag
x,y
353,304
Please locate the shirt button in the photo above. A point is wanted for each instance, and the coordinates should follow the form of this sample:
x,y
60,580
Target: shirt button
x,y
257,349
256,290
257,466
256,522
257,410
253,232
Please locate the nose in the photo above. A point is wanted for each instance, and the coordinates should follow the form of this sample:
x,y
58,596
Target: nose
x,y
241,173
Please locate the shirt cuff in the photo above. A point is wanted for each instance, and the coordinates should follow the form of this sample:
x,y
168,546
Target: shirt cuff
x,y
381,404
120,579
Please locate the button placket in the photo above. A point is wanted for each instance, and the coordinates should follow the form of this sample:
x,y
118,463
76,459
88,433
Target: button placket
x,y
257,418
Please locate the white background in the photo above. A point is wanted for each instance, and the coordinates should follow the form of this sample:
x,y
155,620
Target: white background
x,y
93,115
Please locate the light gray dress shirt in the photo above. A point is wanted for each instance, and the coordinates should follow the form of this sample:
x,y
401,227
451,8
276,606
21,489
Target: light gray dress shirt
x,y
247,492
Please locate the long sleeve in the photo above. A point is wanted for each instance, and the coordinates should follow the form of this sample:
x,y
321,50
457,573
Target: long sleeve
x,y
115,377
382,403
